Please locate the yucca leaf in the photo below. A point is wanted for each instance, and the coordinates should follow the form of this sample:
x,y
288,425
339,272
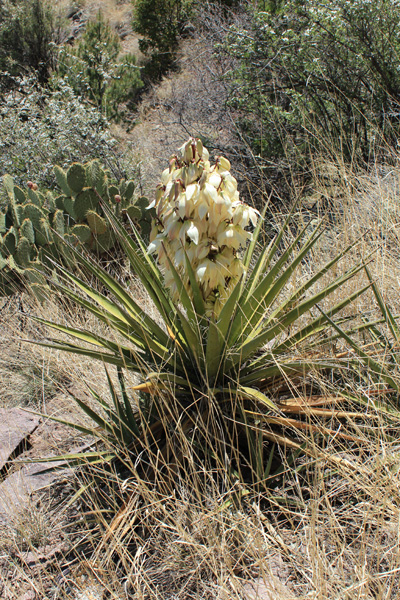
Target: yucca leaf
x,y
128,407
325,269
316,325
229,310
266,255
81,428
249,348
267,292
357,329
85,336
147,351
374,367
75,460
217,338
145,267
121,361
387,315
170,378
191,327
257,271
255,237
253,394
251,307
133,314
102,423
119,418
288,368
213,351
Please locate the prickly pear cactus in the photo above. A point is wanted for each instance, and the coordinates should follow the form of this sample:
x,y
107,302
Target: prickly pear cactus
x,y
33,224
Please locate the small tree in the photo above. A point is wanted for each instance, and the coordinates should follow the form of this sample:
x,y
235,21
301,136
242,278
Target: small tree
x,y
95,72
161,22
25,38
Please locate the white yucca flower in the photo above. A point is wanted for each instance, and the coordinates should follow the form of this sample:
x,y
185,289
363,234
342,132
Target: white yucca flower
x,y
200,216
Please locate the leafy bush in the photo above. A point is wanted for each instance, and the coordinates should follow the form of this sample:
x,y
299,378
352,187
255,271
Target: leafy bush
x,y
217,386
95,72
40,128
161,23
317,75
25,38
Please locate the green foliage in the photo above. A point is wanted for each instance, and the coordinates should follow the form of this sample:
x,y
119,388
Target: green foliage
x,y
317,75
41,128
95,71
161,23
32,222
25,37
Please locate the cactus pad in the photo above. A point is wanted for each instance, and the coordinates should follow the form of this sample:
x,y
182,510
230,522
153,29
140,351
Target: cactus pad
x,y
19,194
96,177
58,222
35,198
104,242
59,202
34,213
23,253
10,241
97,224
87,200
27,230
62,180
31,219
76,177
133,212
130,188
69,205
3,226
83,233
8,183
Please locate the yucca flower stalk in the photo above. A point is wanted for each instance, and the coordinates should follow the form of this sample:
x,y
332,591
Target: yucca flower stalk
x,y
231,325
200,218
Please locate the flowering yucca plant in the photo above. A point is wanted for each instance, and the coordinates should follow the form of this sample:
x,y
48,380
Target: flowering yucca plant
x,y
200,219
233,327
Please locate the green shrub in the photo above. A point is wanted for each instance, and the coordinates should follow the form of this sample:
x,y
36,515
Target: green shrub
x,y
317,75
95,72
161,23
25,38
40,128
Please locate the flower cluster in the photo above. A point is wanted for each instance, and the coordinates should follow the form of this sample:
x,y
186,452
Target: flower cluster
x,y
199,214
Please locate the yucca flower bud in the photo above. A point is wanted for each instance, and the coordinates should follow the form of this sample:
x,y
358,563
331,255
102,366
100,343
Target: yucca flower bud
x,y
200,215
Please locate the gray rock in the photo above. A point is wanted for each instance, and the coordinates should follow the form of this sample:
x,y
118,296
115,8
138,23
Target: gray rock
x,y
16,425
16,490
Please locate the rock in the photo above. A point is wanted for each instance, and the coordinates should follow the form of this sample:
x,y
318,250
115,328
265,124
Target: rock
x,y
269,588
16,425
31,595
43,556
91,592
17,488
